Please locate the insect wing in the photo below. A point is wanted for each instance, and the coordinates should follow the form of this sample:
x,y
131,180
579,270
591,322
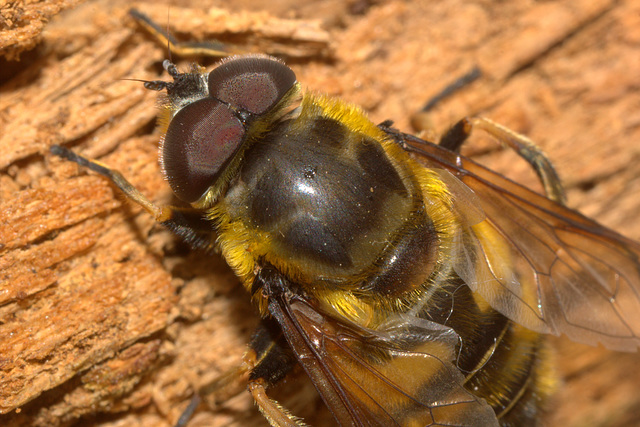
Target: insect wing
x,y
403,376
540,263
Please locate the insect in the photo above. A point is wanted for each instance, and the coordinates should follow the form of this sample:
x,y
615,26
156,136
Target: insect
x,y
412,285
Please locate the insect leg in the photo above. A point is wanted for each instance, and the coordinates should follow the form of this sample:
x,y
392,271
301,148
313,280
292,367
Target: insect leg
x,y
271,359
523,146
421,120
267,361
219,388
188,223
459,133
465,80
276,414
210,48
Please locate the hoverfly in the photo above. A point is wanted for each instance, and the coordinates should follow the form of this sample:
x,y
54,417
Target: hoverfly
x,y
413,285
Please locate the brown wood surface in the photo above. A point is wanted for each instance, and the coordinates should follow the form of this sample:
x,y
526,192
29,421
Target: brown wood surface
x,y
22,22
104,315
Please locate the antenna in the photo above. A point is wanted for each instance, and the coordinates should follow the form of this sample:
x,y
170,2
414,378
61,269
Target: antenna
x,y
168,41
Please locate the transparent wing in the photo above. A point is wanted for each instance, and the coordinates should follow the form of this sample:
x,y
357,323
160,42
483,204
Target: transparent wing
x,y
403,376
537,262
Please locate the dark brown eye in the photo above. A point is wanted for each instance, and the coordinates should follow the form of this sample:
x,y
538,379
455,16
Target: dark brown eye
x,y
205,134
251,83
201,137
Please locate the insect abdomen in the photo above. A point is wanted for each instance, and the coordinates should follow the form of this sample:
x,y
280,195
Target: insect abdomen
x,y
505,363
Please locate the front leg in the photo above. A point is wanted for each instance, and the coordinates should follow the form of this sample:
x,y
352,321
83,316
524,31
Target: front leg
x,y
188,223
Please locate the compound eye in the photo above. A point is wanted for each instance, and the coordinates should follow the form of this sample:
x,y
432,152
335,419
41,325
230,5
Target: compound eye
x,y
252,83
200,139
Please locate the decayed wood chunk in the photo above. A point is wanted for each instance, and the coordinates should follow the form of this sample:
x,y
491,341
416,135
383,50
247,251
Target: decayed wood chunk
x,y
22,22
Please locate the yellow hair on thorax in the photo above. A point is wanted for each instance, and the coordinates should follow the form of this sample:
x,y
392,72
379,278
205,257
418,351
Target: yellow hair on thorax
x,y
352,116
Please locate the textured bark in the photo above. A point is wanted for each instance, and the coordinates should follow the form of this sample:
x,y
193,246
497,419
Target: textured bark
x,y
105,315
22,22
